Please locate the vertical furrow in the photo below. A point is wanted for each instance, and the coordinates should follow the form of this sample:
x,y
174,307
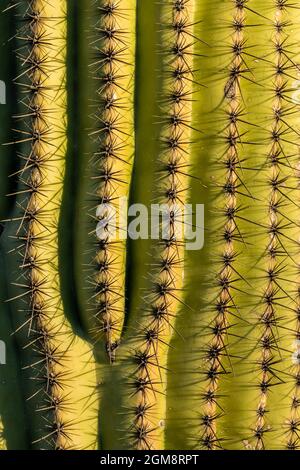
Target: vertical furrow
x,y
148,83
292,423
13,420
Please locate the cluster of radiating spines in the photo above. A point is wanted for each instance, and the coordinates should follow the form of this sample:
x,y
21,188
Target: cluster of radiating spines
x,y
34,132
111,162
280,223
164,299
224,304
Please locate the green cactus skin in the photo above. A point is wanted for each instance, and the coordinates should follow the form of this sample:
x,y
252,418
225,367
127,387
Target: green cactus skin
x,y
176,101
206,329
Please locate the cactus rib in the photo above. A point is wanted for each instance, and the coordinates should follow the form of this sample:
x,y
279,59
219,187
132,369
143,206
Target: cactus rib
x,y
227,277
57,384
163,299
110,168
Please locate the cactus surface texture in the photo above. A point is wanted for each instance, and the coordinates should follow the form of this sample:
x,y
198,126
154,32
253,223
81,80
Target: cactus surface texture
x,y
149,225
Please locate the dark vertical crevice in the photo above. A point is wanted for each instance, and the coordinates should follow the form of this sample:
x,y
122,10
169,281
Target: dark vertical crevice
x,y
129,264
70,193
147,86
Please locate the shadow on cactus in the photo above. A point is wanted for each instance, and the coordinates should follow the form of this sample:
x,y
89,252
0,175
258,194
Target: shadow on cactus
x,y
149,239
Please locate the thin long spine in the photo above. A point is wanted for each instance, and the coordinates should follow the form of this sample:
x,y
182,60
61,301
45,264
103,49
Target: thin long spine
x,y
140,377
292,424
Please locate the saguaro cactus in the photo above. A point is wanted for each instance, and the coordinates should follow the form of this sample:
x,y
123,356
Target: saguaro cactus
x,y
116,338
